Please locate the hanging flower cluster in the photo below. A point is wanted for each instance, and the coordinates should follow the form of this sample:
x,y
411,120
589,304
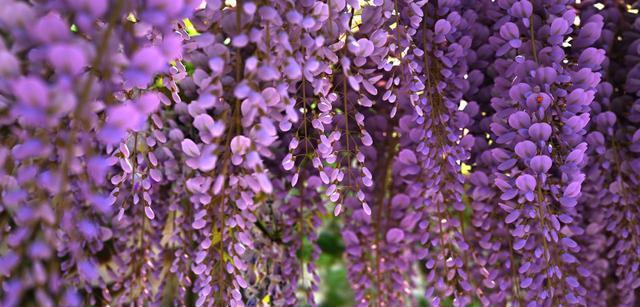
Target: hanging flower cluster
x,y
188,152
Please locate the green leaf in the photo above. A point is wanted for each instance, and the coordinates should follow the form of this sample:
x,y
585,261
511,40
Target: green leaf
x,y
305,251
331,243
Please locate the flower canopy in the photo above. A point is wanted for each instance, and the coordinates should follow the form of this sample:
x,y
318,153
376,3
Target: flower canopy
x,y
189,152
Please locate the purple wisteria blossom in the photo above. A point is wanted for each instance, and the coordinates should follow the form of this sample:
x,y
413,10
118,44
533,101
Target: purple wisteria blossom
x,y
234,153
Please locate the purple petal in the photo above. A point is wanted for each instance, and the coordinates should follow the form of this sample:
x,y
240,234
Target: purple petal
x,y
540,131
512,217
540,164
525,149
519,120
526,183
190,148
395,235
149,212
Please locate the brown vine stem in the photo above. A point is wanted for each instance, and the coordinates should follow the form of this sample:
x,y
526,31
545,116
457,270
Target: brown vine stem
x,y
390,143
514,274
346,112
221,202
533,40
234,129
302,189
140,261
547,252
435,102
345,87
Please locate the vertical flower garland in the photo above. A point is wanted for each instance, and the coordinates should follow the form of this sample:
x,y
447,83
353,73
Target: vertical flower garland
x,y
594,239
176,232
490,236
364,225
28,216
78,45
140,187
623,213
441,147
542,118
237,83
315,28
151,159
613,232
348,136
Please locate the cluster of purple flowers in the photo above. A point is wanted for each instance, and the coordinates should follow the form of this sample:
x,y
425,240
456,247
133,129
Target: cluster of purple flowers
x,y
187,152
